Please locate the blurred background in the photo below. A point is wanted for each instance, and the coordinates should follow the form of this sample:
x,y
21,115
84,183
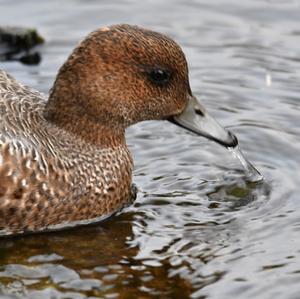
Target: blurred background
x,y
197,228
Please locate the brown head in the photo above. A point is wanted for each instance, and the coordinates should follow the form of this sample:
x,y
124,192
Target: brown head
x,y
116,77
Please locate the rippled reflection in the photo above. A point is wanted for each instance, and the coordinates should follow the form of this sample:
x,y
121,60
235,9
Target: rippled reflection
x,y
198,229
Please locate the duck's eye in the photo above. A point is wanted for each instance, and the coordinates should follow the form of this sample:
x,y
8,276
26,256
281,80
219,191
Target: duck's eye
x,y
159,76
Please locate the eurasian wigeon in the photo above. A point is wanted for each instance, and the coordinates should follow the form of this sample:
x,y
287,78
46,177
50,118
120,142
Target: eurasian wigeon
x,y
64,160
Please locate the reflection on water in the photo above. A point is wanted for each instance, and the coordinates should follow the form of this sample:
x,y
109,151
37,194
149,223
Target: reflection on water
x,y
198,229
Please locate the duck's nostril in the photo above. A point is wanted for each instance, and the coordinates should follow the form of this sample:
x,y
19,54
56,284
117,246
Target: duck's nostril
x,y
199,112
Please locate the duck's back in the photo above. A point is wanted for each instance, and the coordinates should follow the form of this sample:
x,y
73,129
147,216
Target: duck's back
x,y
19,106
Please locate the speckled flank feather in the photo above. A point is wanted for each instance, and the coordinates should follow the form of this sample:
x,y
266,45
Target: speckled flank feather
x,y
46,180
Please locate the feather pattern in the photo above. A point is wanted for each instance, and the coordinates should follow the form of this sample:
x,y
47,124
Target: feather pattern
x,y
49,178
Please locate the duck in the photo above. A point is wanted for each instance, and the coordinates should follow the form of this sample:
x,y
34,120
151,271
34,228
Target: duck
x,y
64,160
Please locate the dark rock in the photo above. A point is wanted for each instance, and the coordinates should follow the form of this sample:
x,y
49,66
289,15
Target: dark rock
x,y
16,44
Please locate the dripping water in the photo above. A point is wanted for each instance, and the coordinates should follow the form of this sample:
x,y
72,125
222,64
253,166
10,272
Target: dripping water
x,y
252,174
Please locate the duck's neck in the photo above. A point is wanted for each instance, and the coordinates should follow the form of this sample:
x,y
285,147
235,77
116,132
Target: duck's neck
x,y
75,121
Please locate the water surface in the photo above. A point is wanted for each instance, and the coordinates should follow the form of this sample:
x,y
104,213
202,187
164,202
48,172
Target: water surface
x,y
197,228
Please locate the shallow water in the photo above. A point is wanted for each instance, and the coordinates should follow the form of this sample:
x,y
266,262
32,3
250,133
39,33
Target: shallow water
x,y
197,229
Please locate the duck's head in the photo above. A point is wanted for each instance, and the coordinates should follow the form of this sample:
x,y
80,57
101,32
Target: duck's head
x,y
124,74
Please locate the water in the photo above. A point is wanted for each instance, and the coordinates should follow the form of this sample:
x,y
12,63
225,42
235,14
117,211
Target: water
x,y
198,229
251,173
